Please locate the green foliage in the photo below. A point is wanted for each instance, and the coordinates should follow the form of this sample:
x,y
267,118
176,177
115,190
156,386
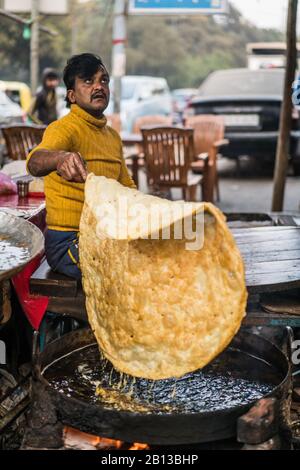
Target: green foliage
x,y
14,51
186,49
182,49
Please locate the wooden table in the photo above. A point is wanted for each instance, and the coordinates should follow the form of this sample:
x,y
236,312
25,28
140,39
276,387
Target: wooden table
x,y
271,256
272,262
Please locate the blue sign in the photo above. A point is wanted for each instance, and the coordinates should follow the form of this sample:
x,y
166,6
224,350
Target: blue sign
x,y
178,6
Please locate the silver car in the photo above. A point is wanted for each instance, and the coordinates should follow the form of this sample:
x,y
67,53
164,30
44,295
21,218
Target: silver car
x,y
141,96
10,112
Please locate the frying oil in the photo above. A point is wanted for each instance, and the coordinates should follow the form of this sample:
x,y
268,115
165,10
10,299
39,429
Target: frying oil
x,y
82,374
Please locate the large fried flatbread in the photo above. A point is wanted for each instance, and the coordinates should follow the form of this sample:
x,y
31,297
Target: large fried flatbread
x,y
157,309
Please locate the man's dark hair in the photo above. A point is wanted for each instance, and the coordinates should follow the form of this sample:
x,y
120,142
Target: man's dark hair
x,y
83,66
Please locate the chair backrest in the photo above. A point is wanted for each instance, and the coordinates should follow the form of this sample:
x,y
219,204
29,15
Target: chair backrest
x,y
168,152
114,121
151,121
208,129
20,140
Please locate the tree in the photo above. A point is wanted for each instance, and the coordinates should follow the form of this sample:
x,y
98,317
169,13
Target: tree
x,y
184,49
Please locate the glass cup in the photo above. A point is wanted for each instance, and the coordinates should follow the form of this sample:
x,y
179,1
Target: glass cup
x,y
23,188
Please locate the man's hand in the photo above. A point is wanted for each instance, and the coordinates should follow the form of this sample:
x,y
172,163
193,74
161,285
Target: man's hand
x,y
71,167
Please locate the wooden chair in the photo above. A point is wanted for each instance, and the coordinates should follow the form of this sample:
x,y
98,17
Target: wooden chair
x,y
21,139
169,152
114,121
136,151
151,121
208,137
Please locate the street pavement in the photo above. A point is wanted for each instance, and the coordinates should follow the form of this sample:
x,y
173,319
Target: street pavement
x,y
249,190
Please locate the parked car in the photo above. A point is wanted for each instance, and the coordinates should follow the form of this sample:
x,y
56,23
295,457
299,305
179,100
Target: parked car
x,y
250,102
18,92
181,98
141,96
10,113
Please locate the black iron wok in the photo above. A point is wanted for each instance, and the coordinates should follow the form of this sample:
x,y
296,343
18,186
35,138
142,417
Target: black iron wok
x,y
249,357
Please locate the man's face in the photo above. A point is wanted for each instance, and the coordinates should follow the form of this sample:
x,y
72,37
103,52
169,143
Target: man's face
x,y
51,83
91,94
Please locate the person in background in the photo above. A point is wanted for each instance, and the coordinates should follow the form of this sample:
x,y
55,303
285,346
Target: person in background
x,y
44,107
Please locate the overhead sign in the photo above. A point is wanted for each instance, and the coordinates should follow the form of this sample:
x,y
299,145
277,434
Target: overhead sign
x,y
175,7
47,7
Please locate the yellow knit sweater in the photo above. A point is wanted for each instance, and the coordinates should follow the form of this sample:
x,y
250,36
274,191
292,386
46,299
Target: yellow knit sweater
x,y
98,144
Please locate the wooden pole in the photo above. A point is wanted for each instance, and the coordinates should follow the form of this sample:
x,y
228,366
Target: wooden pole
x,y
118,50
283,144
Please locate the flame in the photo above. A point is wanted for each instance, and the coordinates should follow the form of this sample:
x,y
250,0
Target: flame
x,y
75,438
105,443
78,439
139,446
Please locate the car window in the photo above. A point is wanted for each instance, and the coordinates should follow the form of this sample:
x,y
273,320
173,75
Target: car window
x,y
159,91
145,91
4,98
140,88
128,89
178,95
232,83
14,95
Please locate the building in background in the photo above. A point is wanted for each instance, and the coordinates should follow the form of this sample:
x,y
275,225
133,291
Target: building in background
x,y
267,55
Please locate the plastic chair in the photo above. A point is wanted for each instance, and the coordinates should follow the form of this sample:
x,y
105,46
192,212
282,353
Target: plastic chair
x,y
208,138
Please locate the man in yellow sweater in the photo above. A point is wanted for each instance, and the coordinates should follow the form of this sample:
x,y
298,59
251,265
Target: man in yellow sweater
x,y
79,143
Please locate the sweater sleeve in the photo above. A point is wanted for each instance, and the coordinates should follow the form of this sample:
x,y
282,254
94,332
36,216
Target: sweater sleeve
x,y
56,137
124,177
